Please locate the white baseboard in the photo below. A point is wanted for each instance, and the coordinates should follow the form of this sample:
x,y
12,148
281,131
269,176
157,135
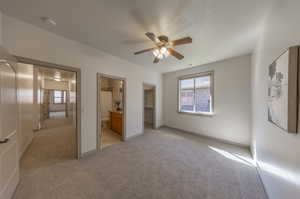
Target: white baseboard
x,y
89,153
209,137
133,136
26,147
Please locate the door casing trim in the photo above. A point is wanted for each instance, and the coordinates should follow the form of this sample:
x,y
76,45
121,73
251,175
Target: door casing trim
x,y
25,60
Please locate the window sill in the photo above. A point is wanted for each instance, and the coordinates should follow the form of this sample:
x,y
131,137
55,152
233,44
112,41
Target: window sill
x,y
198,114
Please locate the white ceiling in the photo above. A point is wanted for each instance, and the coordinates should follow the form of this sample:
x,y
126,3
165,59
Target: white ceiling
x,y
220,28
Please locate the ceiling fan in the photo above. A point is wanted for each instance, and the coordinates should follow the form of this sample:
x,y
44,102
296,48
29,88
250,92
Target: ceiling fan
x,y
163,46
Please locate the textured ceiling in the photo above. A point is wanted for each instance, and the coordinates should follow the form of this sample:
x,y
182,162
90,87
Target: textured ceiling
x,y
220,28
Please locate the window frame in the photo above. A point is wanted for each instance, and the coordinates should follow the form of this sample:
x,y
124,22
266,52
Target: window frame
x,y
201,74
63,101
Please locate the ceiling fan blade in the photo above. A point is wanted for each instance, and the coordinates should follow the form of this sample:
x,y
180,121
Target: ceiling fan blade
x,y
146,50
175,53
152,36
184,40
156,60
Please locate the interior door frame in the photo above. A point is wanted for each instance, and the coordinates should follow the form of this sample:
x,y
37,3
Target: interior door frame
x,y
78,93
124,133
154,104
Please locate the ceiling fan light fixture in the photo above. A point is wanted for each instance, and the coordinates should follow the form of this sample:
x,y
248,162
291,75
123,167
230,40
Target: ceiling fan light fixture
x,y
163,47
166,54
156,52
163,50
161,53
160,56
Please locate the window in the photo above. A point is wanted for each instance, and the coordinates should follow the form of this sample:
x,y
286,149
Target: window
x,y
59,97
196,93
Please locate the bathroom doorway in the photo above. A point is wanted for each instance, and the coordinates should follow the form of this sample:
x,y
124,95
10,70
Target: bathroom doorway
x,y
149,104
110,110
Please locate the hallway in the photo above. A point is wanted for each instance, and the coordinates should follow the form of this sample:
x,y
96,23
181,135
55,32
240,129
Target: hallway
x,y
53,144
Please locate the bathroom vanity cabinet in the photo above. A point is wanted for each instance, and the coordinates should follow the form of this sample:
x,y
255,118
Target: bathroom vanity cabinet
x,y
117,122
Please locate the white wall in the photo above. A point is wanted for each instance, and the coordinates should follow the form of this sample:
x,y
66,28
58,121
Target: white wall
x,y
231,121
276,151
23,39
0,28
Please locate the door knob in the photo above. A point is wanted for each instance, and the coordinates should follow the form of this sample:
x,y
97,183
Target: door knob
x,y
4,141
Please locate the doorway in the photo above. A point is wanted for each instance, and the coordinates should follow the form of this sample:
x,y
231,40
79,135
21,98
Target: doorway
x,y
22,88
111,114
55,112
149,104
47,110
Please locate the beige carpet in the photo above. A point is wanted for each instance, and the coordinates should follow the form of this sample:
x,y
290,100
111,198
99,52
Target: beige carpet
x,y
53,144
161,164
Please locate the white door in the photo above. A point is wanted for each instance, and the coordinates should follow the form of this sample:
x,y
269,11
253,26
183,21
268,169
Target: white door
x,y
9,161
